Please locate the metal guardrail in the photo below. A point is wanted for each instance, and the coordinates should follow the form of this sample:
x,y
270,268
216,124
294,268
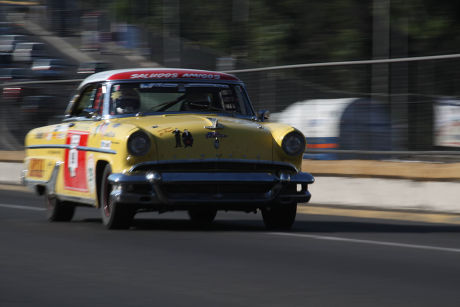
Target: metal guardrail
x,y
346,63
309,65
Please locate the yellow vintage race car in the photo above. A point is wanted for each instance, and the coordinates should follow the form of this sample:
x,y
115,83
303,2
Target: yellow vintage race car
x,y
163,140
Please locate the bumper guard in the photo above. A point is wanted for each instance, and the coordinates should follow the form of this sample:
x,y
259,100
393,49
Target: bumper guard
x,y
131,188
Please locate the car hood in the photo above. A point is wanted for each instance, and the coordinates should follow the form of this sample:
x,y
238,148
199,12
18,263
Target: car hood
x,y
192,136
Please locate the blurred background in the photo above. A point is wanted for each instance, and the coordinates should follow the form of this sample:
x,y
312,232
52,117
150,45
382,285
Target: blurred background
x,y
361,79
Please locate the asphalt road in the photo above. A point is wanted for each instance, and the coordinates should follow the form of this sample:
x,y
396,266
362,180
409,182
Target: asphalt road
x,y
164,261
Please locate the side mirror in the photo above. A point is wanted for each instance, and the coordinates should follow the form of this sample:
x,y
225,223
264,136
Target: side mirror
x,y
263,115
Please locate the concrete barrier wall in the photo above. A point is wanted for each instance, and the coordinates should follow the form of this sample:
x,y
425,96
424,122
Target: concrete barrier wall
x,y
388,194
420,186
10,172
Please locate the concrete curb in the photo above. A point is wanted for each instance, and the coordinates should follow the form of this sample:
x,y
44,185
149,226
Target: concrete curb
x,y
388,194
10,173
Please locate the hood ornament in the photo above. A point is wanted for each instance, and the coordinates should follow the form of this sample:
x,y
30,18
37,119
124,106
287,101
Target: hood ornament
x,y
214,124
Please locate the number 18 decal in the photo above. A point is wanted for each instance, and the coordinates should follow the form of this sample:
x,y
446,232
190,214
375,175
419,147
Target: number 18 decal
x,y
75,162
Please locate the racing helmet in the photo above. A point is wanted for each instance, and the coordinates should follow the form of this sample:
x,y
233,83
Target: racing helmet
x,y
127,102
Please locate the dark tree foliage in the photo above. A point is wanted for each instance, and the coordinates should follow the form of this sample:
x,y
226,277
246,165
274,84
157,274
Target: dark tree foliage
x,y
298,31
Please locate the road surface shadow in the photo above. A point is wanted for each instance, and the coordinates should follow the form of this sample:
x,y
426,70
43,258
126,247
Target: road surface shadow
x,y
181,225
339,225
185,224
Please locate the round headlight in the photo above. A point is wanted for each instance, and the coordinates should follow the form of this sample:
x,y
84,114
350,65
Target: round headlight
x,y
138,143
294,143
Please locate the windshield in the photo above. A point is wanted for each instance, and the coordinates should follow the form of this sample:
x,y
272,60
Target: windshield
x,y
133,98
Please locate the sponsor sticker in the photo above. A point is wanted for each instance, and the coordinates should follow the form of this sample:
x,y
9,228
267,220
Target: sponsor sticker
x,y
105,144
154,76
187,138
101,128
109,134
152,85
184,137
201,76
177,134
214,134
165,130
61,135
90,172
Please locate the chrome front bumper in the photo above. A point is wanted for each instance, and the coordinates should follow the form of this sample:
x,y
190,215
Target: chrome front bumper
x,y
176,189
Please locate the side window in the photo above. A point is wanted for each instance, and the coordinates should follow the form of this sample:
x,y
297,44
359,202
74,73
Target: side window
x,y
90,98
240,101
99,99
230,101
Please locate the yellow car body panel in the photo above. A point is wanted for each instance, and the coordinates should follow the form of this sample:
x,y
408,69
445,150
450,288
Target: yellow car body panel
x,y
93,134
238,139
279,131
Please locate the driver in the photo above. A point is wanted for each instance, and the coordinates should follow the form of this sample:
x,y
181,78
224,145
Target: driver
x,y
127,101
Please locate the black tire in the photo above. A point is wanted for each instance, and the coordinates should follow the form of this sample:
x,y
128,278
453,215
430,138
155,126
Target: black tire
x,y
279,216
58,211
114,215
202,216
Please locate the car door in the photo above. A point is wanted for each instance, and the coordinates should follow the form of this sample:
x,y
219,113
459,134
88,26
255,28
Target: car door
x,y
84,114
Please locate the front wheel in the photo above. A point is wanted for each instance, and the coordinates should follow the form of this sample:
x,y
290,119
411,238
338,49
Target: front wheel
x,y
279,216
58,211
114,215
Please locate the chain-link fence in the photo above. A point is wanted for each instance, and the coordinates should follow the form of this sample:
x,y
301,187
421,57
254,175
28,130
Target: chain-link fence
x,y
406,106
27,105
363,109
